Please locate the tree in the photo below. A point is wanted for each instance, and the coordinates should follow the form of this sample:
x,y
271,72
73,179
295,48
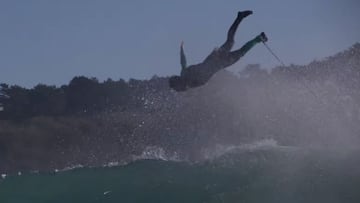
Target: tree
x,y
15,102
47,100
83,94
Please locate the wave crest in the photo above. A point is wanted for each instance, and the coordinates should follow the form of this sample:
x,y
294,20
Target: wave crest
x,y
220,150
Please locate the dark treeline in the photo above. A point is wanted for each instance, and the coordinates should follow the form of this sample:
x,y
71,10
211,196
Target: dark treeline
x,y
92,123
81,96
88,95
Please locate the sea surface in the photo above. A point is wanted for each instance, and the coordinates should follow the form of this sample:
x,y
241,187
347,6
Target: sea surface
x,y
231,174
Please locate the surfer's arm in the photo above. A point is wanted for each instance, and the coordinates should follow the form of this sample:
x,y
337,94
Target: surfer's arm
x,y
182,57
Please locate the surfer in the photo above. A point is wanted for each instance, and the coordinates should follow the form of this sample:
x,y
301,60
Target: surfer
x,y
198,74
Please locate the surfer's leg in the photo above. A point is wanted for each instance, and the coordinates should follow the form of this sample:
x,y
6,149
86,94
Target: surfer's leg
x,y
232,30
234,56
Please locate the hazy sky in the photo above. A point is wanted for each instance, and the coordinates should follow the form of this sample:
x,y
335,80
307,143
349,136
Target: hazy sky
x,y
50,41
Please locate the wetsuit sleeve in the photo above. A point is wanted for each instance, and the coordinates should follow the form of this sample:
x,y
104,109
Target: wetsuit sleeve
x,y
182,57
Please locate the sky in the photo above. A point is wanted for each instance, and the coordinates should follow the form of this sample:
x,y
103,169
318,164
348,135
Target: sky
x,y
50,41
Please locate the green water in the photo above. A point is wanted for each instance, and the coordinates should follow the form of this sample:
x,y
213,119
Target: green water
x,y
254,176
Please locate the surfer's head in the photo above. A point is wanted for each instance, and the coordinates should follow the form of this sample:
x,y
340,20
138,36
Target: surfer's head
x,y
177,83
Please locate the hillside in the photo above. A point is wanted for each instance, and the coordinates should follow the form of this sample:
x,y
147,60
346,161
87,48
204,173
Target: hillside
x,y
93,123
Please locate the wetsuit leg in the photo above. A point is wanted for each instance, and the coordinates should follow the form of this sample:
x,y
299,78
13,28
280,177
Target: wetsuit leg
x,y
234,56
232,30
226,47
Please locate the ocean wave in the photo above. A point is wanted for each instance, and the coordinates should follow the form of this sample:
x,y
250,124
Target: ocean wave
x,y
159,153
149,153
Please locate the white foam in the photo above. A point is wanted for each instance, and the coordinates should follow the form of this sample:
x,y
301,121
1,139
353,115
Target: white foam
x,y
112,164
107,192
221,150
70,168
156,153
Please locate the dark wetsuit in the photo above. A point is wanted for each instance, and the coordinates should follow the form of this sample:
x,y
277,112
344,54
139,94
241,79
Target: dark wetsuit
x,y
198,74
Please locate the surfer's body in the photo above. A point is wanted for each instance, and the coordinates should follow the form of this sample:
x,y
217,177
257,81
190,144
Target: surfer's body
x,y
198,74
